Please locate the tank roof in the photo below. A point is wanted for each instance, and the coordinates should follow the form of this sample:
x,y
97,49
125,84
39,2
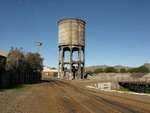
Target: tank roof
x,y
72,19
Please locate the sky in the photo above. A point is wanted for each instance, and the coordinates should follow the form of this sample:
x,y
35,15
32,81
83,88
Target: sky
x,y
117,32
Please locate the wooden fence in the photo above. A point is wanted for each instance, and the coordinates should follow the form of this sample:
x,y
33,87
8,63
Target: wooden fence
x,y
10,80
141,85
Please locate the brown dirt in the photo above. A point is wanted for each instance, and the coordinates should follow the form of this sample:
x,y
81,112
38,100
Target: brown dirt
x,y
70,96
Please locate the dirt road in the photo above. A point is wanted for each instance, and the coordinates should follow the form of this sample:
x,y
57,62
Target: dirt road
x,y
64,96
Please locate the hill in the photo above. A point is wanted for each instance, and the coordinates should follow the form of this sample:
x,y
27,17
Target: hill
x,y
147,65
118,67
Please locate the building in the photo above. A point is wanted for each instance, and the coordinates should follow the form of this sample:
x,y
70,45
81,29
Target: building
x,y
47,71
3,53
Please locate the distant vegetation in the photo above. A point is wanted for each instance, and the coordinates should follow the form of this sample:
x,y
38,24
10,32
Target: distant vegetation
x,y
141,69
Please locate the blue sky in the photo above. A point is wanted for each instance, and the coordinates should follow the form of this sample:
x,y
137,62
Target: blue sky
x,y
117,31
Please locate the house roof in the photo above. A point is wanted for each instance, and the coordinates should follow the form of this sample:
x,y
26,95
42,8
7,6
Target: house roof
x,y
48,69
3,53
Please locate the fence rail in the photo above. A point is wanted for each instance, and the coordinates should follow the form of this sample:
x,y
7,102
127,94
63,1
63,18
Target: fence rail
x,y
135,84
145,80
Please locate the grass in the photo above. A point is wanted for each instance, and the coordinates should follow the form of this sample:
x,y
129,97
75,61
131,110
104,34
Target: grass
x,y
19,88
124,89
22,87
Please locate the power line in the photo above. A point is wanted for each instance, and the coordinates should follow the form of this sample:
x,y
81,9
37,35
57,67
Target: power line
x,y
27,17
33,19
49,50
24,18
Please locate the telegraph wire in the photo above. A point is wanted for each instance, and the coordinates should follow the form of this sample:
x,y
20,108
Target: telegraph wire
x,y
49,50
24,18
34,26
28,20
33,32
33,19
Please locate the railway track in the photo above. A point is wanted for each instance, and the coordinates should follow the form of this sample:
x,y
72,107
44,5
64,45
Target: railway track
x,y
95,102
124,100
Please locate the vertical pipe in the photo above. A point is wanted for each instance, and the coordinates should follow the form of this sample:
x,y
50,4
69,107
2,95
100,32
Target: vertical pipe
x,y
62,60
79,62
71,62
58,74
83,61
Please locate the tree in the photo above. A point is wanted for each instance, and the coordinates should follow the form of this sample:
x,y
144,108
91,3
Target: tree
x,y
88,71
53,68
15,60
122,70
34,62
98,70
129,70
2,63
110,70
141,69
116,71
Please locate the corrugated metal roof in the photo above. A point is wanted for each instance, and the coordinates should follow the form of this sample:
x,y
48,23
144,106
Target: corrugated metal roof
x,y
3,53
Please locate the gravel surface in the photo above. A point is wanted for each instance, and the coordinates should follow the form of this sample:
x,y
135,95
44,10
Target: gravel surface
x,y
70,96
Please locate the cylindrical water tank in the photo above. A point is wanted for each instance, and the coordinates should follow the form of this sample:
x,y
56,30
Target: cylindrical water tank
x,y
71,31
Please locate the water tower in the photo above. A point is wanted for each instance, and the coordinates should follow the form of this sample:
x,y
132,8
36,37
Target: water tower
x,y
71,38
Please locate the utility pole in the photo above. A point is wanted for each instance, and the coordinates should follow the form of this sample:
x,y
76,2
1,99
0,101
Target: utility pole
x,y
37,44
